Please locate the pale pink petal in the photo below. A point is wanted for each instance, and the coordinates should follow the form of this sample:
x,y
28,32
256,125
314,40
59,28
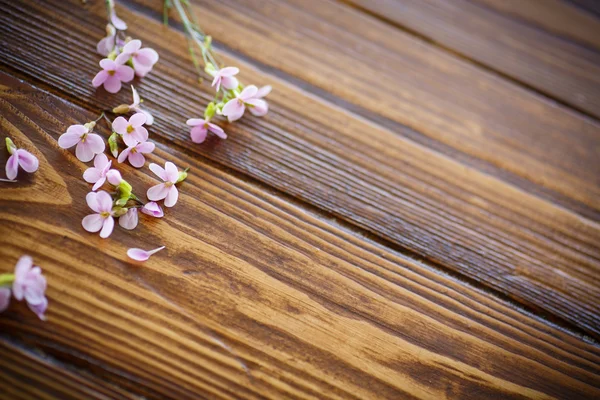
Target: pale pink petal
x,y
229,71
217,82
157,192
105,46
24,265
263,91
152,208
217,130
198,134
114,177
172,197
107,227
117,22
35,286
136,96
130,139
100,78
96,143
12,166
104,201
100,161
80,130
122,58
141,70
112,84
92,175
39,309
137,159
149,117
124,154
229,82
260,107
99,183
84,151
107,64
146,147
130,219
124,73
158,171
172,172
140,133
92,201
233,110
137,119
142,255
69,139
132,46
119,125
195,121
4,298
146,57
92,222
248,92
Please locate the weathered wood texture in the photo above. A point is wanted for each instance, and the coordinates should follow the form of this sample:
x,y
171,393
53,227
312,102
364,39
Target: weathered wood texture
x,y
254,297
550,45
540,254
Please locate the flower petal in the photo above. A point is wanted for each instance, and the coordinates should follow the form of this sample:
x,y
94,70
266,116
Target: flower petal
x,y
124,73
149,117
136,96
229,71
140,133
104,201
217,130
92,201
100,78
124,154
130,219
233,110
229,82
152,208
24,265
263,91
107,64
92,222
142,255
136,159
158,171
96,143
157,192
119,125
92,175
137,119
4,298
147,57
107,227
39,309
172,197
198,134
84,151
259,107
195,121
171,171
100,161
132,46
99,183
12,166
146,147
122,58
117,22
69,139
130,139
248,92
112,84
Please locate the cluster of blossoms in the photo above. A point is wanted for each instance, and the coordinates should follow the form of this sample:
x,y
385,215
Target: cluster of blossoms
x,y
27,283
125,57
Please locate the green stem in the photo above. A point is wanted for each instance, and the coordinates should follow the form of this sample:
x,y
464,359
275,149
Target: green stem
x,y
6,279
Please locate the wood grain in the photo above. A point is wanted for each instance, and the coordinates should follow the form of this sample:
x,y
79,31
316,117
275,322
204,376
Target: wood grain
x,y
548,60
254,297
27,376
533,251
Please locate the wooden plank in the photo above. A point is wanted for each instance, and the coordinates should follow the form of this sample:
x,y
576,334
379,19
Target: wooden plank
x,y
538,254
254,297
547,60
27,376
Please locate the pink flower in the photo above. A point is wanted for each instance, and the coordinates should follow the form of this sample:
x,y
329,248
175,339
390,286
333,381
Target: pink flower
x,y
114,177
97,173
201,127
142,255
130,219
225,77
143,59
137,108
235,108
112,75
4,298
30,284
19,157
88,144
166,190
153,209
135,154
133,131
103,221
107,44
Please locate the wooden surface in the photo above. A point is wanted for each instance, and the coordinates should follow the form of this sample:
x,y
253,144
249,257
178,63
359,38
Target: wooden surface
x,y
422,223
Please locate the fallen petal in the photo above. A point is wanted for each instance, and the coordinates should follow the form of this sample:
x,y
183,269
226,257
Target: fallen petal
x,y
142,255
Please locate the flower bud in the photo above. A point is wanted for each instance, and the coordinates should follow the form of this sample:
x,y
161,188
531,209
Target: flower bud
x,y
112,144
210,69
10,146
90,125
182,175
122,109
119,211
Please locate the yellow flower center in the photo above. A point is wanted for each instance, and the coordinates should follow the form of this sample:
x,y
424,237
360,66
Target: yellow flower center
x,y
129,128
105,214
111,73
168,184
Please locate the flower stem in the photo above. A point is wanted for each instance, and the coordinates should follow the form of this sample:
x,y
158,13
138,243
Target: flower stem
x,y
6,279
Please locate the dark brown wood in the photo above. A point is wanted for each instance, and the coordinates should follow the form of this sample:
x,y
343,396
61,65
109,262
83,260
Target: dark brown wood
x,y
531,250
254,296
551,59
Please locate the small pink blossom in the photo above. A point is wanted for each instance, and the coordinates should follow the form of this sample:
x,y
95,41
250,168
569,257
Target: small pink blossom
x,y
132,131
114,177
142,255
97,173
153,209
235,108
88,143
226,77
4,298
135,154
107,44
30,284
102,221
166,190
142,59
137,107
200,127
112,74
19,157
129,220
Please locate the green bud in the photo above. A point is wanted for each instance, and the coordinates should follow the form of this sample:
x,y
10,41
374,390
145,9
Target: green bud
x,y
119,211
207,41
182,175
112,143
210,69
124,192
210,110
10,146
219,108
122,201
